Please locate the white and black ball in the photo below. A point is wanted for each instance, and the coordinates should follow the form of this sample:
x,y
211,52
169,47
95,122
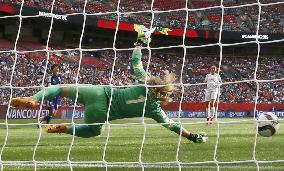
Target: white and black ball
x,y
268,124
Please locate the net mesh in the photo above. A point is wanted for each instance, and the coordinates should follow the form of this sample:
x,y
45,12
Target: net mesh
x,y
178,162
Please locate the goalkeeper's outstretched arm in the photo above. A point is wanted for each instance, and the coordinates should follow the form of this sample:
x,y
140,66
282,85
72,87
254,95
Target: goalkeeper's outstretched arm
x,y
161,94
139,71
176,127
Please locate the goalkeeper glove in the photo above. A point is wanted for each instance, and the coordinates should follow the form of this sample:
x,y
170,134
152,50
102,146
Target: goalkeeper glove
x,y
144,35
142,40
198,138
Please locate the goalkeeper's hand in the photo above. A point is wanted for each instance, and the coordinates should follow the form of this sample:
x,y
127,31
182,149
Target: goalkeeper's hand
x,y
144,35
142,40
199,138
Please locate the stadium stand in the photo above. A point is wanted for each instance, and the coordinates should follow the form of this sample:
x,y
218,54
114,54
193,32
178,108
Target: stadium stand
x,y
235,19
96,70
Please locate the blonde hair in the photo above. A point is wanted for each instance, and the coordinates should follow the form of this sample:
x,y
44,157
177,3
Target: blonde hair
x,y
162,93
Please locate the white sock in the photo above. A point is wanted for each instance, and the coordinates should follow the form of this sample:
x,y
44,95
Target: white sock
x,y
212,112
208,112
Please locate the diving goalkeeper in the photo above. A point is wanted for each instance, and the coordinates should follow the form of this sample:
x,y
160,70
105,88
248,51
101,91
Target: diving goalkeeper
x,y
125,103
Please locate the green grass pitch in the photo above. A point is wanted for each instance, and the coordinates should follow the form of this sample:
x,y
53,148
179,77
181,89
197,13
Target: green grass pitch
x,y
236,142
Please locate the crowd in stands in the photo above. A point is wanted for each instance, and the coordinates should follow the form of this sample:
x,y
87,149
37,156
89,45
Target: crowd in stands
x,y
30,68
235,19
28,74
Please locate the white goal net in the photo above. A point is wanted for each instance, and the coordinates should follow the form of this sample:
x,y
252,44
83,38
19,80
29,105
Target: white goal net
x,y
92,42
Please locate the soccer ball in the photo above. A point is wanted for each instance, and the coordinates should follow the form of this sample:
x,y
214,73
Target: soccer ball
x,y
268,124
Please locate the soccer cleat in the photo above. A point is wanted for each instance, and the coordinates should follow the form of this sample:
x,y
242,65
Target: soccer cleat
x,y
23,102
56,129
209,121
200,138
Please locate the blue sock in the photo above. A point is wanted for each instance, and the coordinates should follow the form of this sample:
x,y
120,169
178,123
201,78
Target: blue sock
x,y
47,118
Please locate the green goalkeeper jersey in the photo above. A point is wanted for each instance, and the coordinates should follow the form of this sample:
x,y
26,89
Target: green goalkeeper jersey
x,y
129,102
125,102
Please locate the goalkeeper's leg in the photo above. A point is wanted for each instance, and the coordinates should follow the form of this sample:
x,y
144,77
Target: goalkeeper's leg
x,y
87,94
93,97
95,117
84,131
49,93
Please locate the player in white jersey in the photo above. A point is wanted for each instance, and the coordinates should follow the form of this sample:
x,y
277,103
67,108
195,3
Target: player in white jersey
x,y
213,81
